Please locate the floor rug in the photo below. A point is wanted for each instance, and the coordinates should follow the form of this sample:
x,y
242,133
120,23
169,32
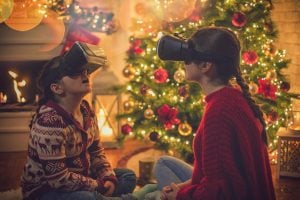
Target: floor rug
x,y
11,194
130,160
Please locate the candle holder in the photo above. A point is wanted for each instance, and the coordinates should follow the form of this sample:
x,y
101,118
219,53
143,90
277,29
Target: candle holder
x,y
107,107
146,171
294,122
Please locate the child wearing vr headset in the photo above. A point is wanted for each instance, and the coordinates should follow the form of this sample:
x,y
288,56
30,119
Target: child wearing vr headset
x,y
230,145
66,159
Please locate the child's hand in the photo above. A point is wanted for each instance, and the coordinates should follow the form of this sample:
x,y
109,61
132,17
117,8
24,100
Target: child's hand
x,y
170,192
109,188
167,189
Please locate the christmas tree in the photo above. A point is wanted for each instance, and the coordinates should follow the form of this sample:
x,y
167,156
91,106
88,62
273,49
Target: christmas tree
x,y
161,106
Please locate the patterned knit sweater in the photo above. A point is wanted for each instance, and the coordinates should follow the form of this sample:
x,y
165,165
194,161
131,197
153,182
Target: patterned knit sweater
x,y
231,160
63,155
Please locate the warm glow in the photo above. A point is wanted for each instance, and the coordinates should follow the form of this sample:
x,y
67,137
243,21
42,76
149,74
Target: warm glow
x,y
17,85
3,98
295,123
13,74
22,83
105,130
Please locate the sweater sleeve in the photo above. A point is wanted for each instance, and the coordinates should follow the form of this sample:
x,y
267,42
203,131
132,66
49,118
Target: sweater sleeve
x,y
216,158
50,147
100,165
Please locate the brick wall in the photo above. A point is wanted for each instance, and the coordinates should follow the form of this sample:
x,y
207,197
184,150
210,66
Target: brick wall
x,y
286,16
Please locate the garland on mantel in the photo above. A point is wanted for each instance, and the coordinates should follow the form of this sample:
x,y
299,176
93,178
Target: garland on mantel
x,y
93,19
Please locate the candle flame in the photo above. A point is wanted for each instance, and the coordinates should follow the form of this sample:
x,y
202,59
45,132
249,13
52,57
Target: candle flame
x,y
105,130
3,98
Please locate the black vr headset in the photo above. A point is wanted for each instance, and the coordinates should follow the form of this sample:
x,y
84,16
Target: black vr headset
x,y
83,56
176,49
74,62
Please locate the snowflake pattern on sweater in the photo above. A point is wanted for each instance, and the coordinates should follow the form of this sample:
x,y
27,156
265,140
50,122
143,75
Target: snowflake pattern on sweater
x,y
63,155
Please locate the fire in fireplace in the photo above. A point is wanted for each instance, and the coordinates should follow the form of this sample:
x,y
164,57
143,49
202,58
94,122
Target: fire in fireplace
x,y
18,81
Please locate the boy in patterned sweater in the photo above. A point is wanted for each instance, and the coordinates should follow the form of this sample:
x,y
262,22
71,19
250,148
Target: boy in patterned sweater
x,y
65,157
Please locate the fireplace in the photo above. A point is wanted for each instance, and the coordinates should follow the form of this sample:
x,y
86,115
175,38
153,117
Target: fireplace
x,y
18,102
22,54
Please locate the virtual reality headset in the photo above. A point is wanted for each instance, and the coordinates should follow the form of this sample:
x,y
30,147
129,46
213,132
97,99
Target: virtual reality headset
x,y
176,49
74,62
83,56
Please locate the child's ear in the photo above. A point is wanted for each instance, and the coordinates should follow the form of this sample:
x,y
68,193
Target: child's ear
x,y
207,66
56,88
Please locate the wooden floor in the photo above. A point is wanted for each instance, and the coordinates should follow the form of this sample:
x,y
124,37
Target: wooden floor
x,y
11,165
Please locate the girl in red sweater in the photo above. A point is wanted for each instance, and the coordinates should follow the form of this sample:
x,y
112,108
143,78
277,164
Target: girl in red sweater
x,y
230,146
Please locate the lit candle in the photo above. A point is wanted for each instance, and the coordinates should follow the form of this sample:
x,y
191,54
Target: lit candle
x,y
105,130
295,125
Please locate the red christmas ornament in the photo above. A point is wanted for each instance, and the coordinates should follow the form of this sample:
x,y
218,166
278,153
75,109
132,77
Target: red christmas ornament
x,y
250,57
272,116
267,89
144,89
238,19
168,116
135,47
195,17
161,75
126,129
285,86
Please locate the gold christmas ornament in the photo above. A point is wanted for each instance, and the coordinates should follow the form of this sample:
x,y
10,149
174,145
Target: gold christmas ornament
x,y
253,88
6,7
129,71
185,129
128,105
179,75
148,113
150,93
26,15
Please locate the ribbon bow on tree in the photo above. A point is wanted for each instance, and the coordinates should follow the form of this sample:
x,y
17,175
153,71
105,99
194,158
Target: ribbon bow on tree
x,y
168,116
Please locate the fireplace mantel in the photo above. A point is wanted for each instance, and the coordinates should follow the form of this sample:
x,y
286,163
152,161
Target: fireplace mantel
x,y
27,45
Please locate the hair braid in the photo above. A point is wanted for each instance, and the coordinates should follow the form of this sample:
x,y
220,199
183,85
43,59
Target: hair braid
x,y
253,105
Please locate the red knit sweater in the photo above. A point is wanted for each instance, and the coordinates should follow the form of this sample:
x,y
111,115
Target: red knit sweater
x,y
231,160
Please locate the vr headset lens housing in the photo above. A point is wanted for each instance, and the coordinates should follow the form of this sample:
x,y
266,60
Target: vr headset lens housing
x,y
175,49
172,48
82,57
79,58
